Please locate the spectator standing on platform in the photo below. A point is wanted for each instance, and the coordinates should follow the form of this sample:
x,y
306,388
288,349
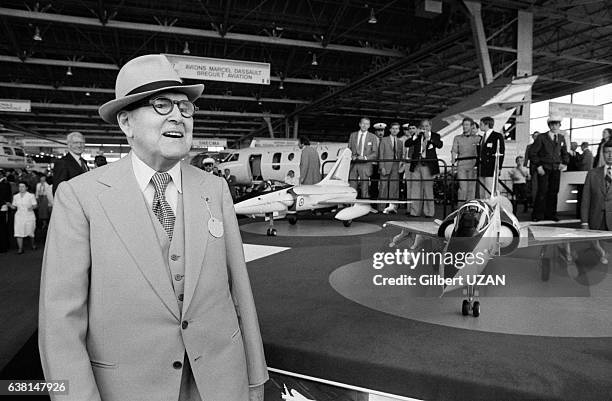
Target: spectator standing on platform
x,y
25,219
44,198
606,135
310,164
596,207
549,156
409,131
574,157
380,132
209,165
532,170
586,160
72,164
424,168
364,146
490,144
231,182
6,199
466,146
390,149
519,176
100,160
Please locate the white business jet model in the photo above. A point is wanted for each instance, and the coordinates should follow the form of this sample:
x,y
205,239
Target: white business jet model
x,y
486,228
333,191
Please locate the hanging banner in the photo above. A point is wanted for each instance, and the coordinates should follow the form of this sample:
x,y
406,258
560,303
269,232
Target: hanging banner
x,y
22,106
215,69
209,143
582,111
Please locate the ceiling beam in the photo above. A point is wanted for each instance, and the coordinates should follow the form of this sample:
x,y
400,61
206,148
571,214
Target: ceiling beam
x,y
540,53
199,33
103,66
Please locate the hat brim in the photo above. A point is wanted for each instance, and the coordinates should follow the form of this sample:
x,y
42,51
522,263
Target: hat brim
x,y
108,111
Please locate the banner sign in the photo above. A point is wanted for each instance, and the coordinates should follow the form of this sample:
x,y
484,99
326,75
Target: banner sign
x,y
582,111
22,106
209,143
215,69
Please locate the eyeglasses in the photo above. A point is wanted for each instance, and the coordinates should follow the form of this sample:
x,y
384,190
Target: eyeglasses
x,y
164,106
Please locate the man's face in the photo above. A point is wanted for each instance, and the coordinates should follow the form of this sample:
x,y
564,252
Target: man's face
x,y
160,140
412,129
467,127
426,126
76,144
394,130
380,133
483,127
364,124
226,172
208,167
608,156
519,161
554,126
573,146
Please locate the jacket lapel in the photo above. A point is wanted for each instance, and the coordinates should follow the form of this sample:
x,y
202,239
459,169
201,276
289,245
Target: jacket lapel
x,y
126,210
196,217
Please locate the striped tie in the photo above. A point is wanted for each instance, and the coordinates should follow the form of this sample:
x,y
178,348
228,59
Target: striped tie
x,y
161,207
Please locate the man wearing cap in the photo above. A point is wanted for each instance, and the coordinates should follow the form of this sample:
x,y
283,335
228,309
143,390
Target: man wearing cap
x,y
390,149
490,143
463,155
549,156
364,146
208,164
72,164
144,289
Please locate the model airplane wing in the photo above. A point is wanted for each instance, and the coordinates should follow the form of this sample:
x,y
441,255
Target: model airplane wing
x,y
541,235
338,201
428,228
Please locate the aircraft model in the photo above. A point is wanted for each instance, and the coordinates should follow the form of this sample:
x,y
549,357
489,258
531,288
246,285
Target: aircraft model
x,y
332,191
487,227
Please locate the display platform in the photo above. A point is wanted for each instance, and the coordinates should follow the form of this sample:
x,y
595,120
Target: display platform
x,y
323,227
310,328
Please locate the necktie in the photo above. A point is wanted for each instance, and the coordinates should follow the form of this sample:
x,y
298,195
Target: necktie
x,y
161,207
608,177
360,144
394,149
84,165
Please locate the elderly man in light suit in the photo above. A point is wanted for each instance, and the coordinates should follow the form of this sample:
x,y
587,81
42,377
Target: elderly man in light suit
x,y
144,291
364,146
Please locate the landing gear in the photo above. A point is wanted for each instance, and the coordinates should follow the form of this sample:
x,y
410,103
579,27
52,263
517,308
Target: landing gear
x,y
292,219
347,223
469,305
271,231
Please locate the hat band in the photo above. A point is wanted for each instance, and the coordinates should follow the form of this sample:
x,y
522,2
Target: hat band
x,y
151,86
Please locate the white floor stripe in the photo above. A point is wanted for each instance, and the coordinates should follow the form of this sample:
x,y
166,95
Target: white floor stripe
x,y
254,252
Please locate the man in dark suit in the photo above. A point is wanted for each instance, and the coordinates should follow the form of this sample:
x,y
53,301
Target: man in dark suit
x,y
423,168
532,171
596,208
549,156
6,198
231,182
490,143
364,146
390,149
72,164
586,160
310,164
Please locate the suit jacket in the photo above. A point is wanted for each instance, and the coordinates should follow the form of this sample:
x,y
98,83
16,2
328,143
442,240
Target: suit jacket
x,y
430,151
596,204
586,161
486,153
64,169
370,147
109,320
548,154
310,166
385,151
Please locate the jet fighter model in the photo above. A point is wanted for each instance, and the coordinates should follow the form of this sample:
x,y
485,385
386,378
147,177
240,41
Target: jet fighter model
x,y
331,192
488,228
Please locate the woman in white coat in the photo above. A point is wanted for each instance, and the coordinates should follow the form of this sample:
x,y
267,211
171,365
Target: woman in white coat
x,y
25,219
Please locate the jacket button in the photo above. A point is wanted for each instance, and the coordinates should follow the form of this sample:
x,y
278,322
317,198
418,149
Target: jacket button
x,y
185,324
177,365
178,277
174,257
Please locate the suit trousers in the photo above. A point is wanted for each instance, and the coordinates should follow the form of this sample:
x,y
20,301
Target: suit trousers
x,y
360,171
466,188
546,199
422,189
534,184
388,186
5,231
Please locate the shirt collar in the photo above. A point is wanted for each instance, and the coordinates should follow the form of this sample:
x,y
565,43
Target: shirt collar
x,y
144,173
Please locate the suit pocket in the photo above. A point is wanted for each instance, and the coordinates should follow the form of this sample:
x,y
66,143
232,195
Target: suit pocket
x,y
103,364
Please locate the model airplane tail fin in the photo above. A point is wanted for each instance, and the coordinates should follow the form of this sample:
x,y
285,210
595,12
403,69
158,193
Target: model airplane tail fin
x,y
340,170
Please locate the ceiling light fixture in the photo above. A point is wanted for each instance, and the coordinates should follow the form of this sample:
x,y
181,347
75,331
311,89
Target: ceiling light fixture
x,y
372,19
186,49
37,36
314,59
69,71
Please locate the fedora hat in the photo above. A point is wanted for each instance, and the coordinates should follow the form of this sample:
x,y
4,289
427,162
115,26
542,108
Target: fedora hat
x,y
142,77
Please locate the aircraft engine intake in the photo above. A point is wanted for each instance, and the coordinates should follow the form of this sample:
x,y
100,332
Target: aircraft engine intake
x,y
446,229
509,238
